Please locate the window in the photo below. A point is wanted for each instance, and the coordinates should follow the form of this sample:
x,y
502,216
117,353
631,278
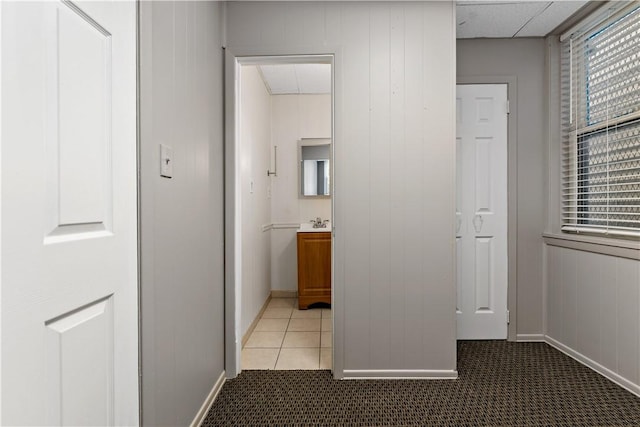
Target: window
x,y
601,125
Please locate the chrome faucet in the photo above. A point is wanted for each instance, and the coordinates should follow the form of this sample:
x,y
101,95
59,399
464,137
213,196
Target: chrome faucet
x,y
319,223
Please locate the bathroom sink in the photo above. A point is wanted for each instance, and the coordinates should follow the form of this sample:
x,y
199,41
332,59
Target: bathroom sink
x,y
307,227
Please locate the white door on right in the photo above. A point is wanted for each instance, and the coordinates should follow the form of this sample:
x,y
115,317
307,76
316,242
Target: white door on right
x,y
481,211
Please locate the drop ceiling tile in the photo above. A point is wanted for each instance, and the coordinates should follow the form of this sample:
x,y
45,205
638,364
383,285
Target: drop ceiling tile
x,y
280,78
496,20
550,18
314,78
297,78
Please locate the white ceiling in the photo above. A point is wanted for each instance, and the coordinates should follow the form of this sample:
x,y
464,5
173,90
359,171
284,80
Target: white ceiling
x,y
297,78
475,19
506,19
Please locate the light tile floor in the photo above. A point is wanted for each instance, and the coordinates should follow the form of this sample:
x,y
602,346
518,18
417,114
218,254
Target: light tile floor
x,y
288,338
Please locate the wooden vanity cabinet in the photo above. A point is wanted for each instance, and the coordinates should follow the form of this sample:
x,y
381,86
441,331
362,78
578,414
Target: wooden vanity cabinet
x,y
314,268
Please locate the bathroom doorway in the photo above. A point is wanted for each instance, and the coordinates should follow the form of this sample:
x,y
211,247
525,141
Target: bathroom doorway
x,y
279,185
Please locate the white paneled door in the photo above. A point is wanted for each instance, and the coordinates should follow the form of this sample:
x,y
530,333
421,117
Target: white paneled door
x,y
69,261
481,212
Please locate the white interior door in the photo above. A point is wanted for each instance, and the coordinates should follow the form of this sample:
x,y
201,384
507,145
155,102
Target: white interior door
x,y
68,171
481,237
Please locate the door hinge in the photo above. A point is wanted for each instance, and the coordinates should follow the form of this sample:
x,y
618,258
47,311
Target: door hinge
x,y
508,317
508,107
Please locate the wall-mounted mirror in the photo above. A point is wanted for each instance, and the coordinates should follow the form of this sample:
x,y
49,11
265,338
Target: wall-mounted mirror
x,y
313,158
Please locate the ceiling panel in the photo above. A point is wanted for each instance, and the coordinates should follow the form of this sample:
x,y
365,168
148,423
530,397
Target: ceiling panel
x,y
297,78
314,78
475,19
280,78
550,18
506,19
495,20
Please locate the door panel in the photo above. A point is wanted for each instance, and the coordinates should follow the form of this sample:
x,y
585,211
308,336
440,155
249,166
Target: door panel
x,y
483,175
81,55
484,109
69,225
482,211
483,279
79,357
78,129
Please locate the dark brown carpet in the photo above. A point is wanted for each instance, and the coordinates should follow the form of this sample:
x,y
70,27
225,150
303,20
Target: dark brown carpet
x,y
500,384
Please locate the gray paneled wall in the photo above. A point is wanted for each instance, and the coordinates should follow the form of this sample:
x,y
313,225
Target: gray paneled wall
x,y
593,310
523,59
182,218
394,171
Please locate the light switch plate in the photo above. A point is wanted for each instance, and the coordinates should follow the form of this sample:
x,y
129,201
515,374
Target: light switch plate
x,y
166,161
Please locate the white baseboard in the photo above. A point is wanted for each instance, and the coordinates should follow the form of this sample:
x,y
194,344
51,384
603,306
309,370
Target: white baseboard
x,y
530,338
400,374
605,372
197,421
253,324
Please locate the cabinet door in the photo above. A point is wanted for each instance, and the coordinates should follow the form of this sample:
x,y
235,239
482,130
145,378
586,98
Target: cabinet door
x,y
314,263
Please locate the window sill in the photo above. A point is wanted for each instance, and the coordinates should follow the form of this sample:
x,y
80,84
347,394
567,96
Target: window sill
x,y
600,245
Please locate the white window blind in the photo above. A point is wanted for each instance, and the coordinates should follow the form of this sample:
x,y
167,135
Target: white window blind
x,y
600,92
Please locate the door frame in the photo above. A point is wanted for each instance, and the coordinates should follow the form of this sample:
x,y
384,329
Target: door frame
x,y
232,220
512,190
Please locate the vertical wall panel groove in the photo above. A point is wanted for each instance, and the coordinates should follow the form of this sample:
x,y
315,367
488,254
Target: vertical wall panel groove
x,y
413,171
379,184
357,154
396,182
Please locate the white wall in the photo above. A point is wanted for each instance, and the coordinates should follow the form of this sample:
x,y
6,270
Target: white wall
x,y
523,59
182,252
255,145
593,310
394,308
293,117
296,117
269,257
